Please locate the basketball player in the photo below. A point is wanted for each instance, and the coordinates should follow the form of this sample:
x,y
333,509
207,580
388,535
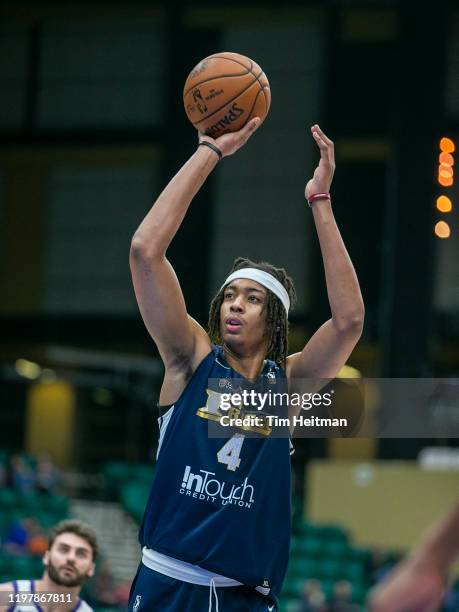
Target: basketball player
x,y
69,562
216,528
418,583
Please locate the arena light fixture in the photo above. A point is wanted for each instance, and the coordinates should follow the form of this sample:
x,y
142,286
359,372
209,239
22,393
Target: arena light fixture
x,y
446,162
447,145
442,230
445,179
27,369
444,204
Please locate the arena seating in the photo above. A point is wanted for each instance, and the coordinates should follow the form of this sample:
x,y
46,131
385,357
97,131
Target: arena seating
x,y
14,506
325,553
130,484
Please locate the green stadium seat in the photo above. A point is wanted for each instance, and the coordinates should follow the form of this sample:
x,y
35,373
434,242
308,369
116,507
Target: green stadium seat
x,y
56,504
290,605
142,472
354,572
31,501
36,566
23,567
4,563
360,555
333,533
303,568
306,529
5,522
327,588
8,498
311,546
47,519
134,498
336,549
17,514
330,569
116,472
293,587
296,547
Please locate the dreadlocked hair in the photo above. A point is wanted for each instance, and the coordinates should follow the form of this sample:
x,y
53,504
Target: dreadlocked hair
x,y
276,316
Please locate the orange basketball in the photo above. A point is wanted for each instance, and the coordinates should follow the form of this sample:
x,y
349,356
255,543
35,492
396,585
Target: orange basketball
x,y
223,92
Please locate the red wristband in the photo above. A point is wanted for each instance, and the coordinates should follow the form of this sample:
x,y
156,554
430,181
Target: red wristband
x,y
319,196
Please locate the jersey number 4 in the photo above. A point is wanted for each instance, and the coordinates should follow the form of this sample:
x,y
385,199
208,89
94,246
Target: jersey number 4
x,y
230,451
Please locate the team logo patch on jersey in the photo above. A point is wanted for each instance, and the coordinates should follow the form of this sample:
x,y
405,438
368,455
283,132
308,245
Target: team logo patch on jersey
x,y
136,605
203,487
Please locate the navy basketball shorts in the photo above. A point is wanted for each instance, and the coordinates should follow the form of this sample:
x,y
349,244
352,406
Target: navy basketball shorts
x,y
155,592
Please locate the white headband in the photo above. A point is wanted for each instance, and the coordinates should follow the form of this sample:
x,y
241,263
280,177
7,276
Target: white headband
x,y
265,279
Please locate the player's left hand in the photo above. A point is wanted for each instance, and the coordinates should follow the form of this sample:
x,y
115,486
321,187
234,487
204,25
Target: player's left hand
x,y
323,174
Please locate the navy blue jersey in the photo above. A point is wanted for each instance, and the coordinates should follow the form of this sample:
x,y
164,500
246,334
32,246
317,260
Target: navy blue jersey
x,y
220,503
154,591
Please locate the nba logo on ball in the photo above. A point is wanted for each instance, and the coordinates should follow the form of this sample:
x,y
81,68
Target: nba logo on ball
x,y
200,104
136,605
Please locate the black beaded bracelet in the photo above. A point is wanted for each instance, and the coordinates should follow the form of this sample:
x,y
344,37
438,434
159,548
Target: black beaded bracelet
x,y
213,147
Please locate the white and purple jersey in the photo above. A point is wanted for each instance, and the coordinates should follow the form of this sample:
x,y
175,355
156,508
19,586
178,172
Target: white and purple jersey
x,y
27,587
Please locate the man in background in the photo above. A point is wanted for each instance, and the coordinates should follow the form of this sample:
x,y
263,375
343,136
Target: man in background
x,y
69,561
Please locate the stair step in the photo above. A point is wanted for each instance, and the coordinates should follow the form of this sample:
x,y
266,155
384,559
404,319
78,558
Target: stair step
x,y
116,532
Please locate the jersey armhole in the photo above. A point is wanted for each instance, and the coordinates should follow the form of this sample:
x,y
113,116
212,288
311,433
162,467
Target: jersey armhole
x,y
163,409
176,404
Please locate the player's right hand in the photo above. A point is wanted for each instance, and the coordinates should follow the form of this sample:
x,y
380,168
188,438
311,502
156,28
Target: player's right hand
x,y
233,141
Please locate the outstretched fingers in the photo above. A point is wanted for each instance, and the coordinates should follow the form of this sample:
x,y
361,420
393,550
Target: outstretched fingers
x,y
317,129
326,145
323,174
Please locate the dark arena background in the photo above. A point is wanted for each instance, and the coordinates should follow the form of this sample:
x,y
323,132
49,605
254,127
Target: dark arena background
x,y
92,126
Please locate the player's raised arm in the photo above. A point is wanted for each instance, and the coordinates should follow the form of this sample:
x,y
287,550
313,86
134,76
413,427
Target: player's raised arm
x,y
180,340
329,348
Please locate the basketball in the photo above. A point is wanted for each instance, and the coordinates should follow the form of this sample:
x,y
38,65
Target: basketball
x,y
223,92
